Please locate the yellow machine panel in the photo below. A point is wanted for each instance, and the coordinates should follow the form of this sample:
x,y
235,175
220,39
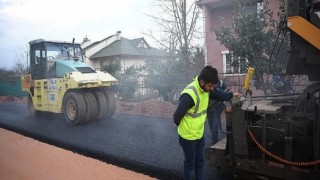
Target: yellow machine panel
x,y
305,29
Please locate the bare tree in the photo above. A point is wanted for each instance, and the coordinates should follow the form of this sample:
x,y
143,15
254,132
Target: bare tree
x,y
177,22
20,66
20,63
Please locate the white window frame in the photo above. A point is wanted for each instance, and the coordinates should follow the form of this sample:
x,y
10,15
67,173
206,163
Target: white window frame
x,y
224,62
260,9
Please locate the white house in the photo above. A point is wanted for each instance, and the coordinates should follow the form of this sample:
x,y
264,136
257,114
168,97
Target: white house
x,y
134,52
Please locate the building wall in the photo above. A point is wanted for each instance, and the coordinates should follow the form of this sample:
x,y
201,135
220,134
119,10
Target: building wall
x,y
274,6
215,18
128,62
125,62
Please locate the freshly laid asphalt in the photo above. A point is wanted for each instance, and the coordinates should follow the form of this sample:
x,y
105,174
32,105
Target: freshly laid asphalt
x,y
143,144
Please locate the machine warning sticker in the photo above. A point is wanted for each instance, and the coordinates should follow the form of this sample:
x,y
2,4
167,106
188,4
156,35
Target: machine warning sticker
x,y
52,85
51,97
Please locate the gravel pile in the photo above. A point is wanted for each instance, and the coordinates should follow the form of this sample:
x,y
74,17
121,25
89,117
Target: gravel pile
x,y
153,107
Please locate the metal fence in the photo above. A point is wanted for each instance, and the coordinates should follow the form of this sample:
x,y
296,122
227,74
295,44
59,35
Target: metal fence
x,y
11,86
162,87
169,87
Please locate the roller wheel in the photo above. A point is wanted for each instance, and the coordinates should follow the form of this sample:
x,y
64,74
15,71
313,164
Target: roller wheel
x,y
102,104
91,106
111,103
74,108
31,109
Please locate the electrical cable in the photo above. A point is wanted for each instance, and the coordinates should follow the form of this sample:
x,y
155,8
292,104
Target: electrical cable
x,y
282,160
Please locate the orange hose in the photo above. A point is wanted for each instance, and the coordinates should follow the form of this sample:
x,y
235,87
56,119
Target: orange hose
x,y
291,163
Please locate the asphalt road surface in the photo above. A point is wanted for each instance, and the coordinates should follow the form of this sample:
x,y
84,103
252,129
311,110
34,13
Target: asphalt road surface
x,y
143,144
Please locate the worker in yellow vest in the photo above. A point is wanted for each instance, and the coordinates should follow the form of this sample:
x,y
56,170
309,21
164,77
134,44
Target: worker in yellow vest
x,y
190,118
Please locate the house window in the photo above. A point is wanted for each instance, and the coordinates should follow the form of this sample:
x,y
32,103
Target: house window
x,y
260,10
142,44
254,8
231,66
259,7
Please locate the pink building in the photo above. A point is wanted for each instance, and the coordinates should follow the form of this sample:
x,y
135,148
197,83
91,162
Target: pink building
x,y
219,13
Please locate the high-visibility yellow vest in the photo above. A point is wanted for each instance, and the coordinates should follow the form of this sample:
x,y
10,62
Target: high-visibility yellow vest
x,y
191,126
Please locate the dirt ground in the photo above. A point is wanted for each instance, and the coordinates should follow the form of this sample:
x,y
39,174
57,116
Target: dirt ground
x,y
24,158
4,99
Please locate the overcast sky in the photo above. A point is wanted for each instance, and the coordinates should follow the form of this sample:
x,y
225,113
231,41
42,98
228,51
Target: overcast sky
x,y
24,20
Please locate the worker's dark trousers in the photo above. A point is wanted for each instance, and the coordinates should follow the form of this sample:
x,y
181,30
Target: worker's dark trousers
x,y
193,158
213,120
